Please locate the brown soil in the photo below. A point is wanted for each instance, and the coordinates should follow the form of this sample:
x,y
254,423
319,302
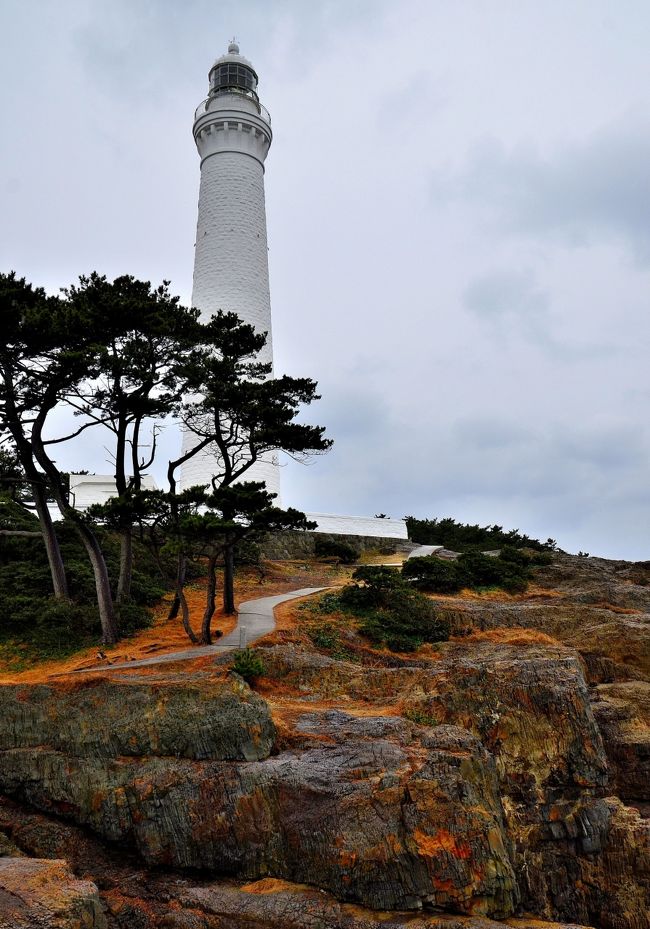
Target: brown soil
x,y
165,636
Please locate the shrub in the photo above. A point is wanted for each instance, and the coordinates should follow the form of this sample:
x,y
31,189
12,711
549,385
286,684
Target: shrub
x,y
509,571
461,537
335,548
391,612
482,570
248,664
55,628
516,556
435,575
133,616
327,603
326,635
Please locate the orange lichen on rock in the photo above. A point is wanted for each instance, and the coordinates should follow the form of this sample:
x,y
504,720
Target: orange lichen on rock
x,y
431,845
271,885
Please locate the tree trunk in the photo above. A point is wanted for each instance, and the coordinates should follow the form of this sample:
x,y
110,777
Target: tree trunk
x,y
25,451
54,557
185,613
110,633
52,548
229,579
211,595
126,528
105,604
181,573
126,565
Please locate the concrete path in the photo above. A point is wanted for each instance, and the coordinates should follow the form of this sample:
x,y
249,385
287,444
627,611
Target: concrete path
x,y
424,550
255,618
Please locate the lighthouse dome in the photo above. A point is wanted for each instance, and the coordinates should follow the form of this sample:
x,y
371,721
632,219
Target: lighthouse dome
x,y
233,73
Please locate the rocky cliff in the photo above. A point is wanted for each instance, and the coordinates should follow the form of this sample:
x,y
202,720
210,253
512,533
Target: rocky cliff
x,y
484,780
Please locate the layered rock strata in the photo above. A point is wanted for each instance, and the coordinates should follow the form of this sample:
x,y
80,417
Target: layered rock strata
x,y
374,810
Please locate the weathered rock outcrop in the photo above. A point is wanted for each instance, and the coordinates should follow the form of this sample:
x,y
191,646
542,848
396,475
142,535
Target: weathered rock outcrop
x,y
371,812
530,707
599,607
623,715
38,894
273,904
472,781
136,898
197,716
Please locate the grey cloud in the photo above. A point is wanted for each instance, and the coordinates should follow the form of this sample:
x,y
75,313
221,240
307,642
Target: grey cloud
x,y
511,303
509,300
466,356
562,482
480,434
598,187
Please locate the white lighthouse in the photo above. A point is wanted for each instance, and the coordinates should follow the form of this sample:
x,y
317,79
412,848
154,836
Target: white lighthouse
x,y
232,131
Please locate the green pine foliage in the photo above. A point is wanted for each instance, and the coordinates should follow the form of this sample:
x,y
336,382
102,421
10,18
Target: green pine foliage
x,y
31,616
390,611
462,537
248,664
510,570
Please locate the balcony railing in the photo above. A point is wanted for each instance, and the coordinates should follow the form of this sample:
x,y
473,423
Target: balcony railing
x,y
204,107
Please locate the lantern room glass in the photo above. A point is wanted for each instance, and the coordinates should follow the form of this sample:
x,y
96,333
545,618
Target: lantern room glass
x,y
233,76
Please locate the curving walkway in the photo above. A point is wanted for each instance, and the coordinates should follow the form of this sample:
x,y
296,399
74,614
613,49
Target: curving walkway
x,y
423,551
255,619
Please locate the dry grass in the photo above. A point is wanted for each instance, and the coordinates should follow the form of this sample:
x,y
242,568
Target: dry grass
x,y
397,559
503,635
165,636
625,611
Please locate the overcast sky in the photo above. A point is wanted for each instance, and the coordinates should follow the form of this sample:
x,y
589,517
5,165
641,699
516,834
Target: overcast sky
x,y
458,205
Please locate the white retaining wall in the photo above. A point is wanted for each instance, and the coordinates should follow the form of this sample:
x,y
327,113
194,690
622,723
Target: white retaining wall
x,y
360,525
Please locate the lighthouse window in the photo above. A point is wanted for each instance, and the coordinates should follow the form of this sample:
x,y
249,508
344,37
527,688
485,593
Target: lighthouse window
x,y
233,75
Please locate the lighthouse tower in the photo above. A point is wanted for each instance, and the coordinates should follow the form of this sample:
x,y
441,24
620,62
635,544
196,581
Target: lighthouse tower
x,y
232,131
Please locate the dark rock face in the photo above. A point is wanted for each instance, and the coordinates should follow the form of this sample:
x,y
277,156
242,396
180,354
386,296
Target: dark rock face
x,y
45,895
531,708
135,898
171,715
271,904
623,715
378,816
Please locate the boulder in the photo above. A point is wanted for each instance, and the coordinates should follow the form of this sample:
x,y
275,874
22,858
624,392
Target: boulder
x,y
199,716
37,894
379,812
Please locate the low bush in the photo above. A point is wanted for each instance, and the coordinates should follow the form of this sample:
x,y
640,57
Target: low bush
x,y
509,571
32,617
325,635
435,575
248,664
390,611
334,548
